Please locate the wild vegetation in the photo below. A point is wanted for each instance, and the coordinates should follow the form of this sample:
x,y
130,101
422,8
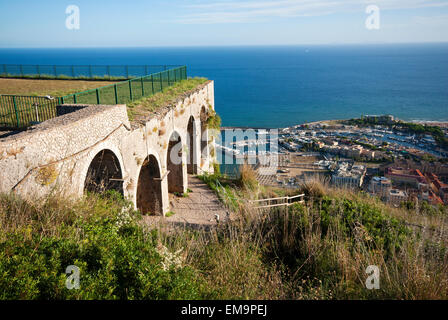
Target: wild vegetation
x,y
169,96
213,120
316,250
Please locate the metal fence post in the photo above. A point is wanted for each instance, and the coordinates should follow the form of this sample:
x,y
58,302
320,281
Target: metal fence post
x,y
97,96
161,84
168,75
130,89
55,72
21,70
152,84
143,87
74,99
116,94
73,71
17,112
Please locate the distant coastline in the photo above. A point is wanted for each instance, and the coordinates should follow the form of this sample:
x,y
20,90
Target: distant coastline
x,y
431,122
443,124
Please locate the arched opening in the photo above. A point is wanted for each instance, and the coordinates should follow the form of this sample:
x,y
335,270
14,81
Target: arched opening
x,y
204,135
104,173
192,161
174,164
149,188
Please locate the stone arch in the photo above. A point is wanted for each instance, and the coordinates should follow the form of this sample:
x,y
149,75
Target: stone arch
x,y
104,173
204,135
174,163
149,187
192,160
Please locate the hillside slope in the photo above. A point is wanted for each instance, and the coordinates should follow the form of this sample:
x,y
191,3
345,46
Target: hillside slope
x,y
316,250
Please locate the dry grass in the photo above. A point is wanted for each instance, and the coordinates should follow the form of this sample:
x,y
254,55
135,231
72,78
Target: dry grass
x,y
286,254
315,187
323,247
43,217
47,87
248,177
230,260
300,252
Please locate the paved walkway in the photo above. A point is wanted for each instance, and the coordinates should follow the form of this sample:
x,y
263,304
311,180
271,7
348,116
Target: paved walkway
x,y
199,210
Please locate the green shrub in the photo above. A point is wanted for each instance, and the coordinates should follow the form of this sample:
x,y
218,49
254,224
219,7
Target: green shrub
x,y
117,257
382,230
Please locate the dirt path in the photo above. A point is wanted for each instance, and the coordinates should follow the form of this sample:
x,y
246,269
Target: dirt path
x,y
199,210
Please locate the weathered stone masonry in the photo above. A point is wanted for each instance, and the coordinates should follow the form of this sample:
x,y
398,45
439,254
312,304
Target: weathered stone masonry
x,y
93,147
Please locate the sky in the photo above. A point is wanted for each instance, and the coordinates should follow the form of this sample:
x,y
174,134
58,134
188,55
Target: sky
x,y
139,23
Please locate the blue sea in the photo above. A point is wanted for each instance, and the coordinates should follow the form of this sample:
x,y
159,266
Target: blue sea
x,y
280,86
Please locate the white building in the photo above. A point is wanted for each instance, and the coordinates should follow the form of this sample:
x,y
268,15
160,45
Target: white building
x,y
396,197
348,177
380,186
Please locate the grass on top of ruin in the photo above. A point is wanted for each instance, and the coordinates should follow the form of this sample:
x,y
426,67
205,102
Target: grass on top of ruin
x,y
141,108
55,88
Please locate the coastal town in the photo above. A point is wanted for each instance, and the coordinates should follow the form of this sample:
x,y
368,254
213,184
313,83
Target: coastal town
x,y
378,157
393,160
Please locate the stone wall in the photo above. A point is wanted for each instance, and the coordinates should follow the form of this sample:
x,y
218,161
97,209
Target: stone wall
x,y
55,156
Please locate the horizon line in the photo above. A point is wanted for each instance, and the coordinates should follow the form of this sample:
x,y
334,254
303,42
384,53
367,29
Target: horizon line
x,y
227,45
